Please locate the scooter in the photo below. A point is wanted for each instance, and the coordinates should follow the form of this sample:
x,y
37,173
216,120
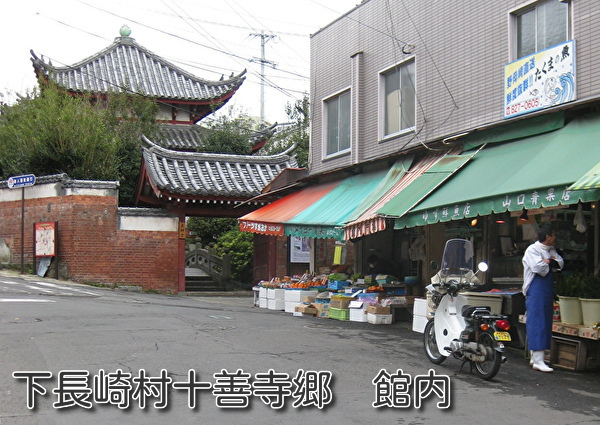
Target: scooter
x,y
468,333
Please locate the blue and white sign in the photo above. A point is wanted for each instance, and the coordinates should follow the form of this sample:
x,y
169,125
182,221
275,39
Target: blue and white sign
x,y
540,80
21,181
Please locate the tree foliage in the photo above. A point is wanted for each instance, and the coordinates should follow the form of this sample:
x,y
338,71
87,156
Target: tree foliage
x,y
239,245
52,132
297,133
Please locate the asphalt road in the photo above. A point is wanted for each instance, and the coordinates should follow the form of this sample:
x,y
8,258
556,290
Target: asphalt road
x,y
85,336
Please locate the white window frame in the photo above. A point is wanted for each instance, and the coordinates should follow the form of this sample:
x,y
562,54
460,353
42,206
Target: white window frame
x,y
325,121
513,14
382,99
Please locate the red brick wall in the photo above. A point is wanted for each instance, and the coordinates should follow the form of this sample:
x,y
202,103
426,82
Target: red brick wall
x,y
90,247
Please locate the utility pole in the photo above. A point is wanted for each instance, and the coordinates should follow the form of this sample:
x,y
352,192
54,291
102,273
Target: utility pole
x,y
264,38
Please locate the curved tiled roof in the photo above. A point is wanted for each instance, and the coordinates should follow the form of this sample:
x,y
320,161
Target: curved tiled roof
x,y
210,174
127,66
188,137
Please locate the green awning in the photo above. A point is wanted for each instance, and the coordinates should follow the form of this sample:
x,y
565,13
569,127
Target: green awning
x,y
531,173
590,180
517,130
325,218
424,185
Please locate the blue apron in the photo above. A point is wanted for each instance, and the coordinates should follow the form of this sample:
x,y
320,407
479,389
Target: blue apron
x,y
539,304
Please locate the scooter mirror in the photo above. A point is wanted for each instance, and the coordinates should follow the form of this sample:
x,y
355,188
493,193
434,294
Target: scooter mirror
x,y
482,267
433,265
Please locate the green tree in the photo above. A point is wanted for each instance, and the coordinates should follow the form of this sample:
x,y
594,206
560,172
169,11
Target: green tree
x,y
239,245
52,132
297,132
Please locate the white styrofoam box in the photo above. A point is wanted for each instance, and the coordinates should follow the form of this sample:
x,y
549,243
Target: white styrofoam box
x,y
420,307
290,306
379,319
358,311
276,304
271,293
263,302
480,299
296,295
419,323
262,292
280,294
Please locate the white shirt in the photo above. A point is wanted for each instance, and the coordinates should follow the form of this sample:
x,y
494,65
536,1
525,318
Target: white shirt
x,y
533,262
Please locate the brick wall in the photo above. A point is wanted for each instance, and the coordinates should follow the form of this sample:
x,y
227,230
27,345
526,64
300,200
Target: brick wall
x,y
91,247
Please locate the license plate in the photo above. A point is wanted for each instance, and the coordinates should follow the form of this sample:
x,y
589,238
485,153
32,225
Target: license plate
x,y
502,336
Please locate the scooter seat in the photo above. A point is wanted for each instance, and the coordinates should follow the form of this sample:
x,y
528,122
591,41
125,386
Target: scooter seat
x,y
469,310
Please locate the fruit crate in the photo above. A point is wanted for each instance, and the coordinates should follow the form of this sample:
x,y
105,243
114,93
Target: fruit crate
x,y
339,313
337,285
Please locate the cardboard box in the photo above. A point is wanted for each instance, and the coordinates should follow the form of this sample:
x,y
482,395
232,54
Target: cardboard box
x,y
419,323
340,302
306,309
322,310
377,309
379,319
308,299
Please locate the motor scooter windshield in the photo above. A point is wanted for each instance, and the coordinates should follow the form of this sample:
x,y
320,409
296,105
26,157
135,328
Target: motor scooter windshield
x,y
458,258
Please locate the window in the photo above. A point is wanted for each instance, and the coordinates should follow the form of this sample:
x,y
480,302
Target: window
x,y
544,25
398,98
337,110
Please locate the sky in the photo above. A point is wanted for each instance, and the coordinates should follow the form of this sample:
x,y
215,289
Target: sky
x,y
208,38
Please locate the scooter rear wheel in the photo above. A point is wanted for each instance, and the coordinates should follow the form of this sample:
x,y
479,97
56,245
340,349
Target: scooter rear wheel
x,y
430,344
493,359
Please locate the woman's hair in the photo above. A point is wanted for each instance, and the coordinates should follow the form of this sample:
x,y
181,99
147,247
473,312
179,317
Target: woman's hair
x,y
544,231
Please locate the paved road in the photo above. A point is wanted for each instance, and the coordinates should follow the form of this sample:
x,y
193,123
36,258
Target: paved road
x,y
47,326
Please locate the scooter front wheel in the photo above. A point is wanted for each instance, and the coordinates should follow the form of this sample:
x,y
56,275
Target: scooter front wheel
x,y
430,344
493,359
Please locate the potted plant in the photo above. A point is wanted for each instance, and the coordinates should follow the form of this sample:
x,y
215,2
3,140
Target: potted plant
x,y
568,288
590,299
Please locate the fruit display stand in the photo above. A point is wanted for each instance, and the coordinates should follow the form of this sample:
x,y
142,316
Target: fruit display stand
x,y
335,298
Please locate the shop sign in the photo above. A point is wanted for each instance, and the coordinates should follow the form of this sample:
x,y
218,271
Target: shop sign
x,y
533,199
274,229
540,80
319,232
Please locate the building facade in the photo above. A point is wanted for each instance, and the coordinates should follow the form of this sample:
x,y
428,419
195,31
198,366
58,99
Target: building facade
x,y
473,110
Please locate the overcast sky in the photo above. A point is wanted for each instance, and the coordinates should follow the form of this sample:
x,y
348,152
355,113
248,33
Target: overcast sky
x,y
206,37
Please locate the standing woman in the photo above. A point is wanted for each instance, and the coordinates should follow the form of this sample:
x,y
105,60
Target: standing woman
x,y
538,287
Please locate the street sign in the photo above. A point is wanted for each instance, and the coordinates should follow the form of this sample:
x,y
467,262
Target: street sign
x,y
21,181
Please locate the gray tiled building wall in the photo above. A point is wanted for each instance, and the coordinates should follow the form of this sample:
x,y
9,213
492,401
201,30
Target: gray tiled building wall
x,y
460,51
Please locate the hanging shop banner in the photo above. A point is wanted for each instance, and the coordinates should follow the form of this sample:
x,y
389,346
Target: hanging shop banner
x,y
273,229
45,239
530,200
318,232
540,80
299,250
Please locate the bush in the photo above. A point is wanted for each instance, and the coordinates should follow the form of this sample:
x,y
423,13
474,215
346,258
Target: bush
x,y
240,247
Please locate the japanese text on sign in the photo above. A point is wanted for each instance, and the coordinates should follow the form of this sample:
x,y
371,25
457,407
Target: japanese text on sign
x,y
77,388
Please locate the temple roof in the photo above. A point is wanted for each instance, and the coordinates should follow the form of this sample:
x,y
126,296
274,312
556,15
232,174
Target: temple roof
x,y
190,137
127,66
200,174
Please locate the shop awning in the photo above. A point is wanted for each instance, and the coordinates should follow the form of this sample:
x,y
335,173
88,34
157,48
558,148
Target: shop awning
x,y
270,219
325,218
535,172
366,221
426,183
590,180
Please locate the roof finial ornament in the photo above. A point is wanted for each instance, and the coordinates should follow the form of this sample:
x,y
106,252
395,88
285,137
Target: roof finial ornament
x,y
125,31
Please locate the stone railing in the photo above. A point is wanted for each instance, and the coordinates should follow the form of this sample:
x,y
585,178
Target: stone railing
x,y
218,268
